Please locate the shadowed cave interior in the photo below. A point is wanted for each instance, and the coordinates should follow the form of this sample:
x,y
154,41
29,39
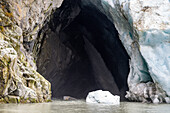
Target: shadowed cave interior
x,y
83,55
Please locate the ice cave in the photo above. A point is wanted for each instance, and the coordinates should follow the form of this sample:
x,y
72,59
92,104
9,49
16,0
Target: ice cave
x,y
55,48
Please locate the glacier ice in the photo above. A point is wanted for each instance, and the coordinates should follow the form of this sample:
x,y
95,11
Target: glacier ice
x,y
103,97
144,29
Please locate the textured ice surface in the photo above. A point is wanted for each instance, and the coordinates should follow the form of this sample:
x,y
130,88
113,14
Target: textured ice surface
x,y
103,97
155,48
144,29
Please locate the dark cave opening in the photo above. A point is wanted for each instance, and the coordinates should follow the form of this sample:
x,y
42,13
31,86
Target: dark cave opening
x,y
84,56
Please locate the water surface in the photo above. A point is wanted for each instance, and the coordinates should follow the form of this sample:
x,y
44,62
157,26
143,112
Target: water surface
x,y
83,107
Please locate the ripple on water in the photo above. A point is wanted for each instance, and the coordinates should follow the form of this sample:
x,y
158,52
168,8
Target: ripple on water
x,y
81,106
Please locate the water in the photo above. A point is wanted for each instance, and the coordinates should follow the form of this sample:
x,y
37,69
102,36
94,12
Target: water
x,y
83,107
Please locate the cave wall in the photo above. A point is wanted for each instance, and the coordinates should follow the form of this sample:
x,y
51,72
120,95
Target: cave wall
x,y
80,52
103,35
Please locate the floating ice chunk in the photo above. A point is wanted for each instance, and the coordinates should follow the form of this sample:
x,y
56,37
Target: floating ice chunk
x,y
103,97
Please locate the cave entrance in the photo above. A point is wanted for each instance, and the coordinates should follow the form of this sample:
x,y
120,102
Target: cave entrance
x,y
84,56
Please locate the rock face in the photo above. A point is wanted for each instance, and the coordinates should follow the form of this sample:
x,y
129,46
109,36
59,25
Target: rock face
x,y
30,16
19,21
102,97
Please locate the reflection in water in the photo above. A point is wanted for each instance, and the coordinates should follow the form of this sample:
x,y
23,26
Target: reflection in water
x,y
82,107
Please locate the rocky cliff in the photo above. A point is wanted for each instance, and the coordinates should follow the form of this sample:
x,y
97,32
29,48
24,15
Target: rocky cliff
x,y
84,45
19,23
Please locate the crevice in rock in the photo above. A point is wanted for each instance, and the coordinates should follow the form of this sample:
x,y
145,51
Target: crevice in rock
x,y
81,52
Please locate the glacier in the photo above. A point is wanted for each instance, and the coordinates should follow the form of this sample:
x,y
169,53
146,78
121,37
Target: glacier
x,y
144,30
